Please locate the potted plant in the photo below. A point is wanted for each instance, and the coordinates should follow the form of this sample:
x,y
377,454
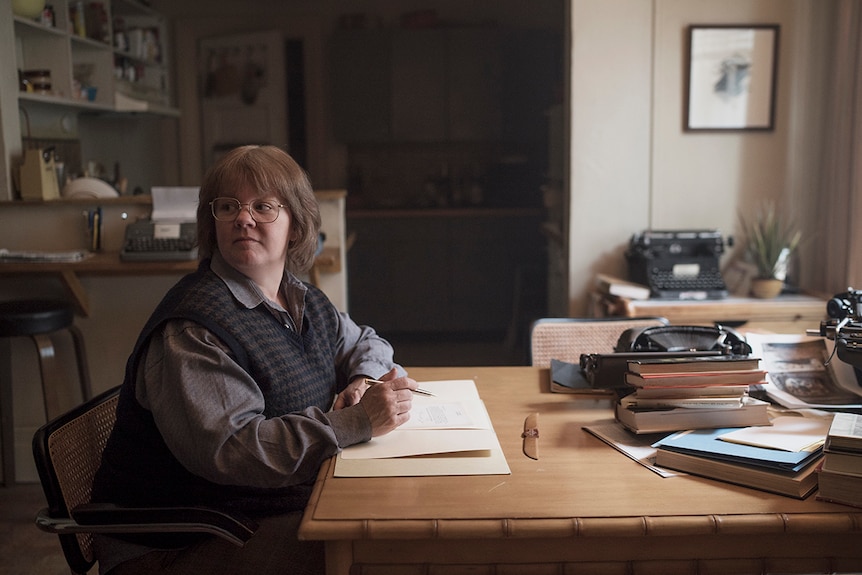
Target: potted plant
x,y
769,243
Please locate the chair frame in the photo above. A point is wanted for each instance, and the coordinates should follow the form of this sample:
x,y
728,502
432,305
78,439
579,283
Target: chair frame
x,y
66,467
553,338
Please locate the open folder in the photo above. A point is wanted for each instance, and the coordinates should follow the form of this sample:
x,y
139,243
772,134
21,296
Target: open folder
x,y
447,434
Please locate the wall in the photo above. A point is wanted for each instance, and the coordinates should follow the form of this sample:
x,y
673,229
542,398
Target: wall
x,y
632,165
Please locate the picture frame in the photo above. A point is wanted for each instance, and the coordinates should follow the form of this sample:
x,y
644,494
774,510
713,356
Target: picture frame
x,y
731,77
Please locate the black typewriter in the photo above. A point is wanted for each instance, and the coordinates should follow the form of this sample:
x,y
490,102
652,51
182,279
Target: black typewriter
x,y
844,326
680,264
152,241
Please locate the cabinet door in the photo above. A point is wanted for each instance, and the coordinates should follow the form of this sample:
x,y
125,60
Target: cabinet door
x,y
398,270
361,85
419,87
495,264
475,83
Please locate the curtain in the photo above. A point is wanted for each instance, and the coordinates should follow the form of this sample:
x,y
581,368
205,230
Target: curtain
x,y
834,221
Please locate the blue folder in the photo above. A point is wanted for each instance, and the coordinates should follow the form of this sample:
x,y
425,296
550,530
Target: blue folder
x,y
706,443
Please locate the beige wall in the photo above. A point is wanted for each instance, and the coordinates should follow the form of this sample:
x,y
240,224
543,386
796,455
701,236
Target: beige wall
x,y
632,165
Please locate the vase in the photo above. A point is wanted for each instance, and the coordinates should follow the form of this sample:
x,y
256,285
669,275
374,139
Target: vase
x,y
766,288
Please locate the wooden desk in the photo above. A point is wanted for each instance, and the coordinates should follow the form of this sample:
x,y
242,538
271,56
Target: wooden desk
x,y
110,264
784,314
583,507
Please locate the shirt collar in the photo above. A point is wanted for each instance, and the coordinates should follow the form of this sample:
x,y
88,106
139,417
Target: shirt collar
x,y
248,294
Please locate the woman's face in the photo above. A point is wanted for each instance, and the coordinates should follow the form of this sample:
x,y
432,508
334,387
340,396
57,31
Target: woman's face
x,y
253,247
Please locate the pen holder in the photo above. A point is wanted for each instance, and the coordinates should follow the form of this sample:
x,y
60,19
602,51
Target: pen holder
x,y
93,220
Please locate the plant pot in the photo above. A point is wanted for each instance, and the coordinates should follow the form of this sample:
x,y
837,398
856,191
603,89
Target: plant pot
x,y
766,288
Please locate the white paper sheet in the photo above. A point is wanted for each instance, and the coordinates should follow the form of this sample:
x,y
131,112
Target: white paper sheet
x,y
787,433
636,447
458,440
174,204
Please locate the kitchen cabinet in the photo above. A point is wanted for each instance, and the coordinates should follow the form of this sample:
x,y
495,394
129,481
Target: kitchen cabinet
x,y
360,65
109,56
441,271
435,85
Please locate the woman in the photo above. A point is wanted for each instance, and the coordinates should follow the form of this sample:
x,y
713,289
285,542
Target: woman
x,y
244,381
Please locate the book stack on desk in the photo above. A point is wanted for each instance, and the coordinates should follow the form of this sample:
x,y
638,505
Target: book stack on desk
x,y
841,470
614,286
781,459
672,394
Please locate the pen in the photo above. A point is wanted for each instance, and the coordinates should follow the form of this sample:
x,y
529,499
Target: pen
x,y
418,390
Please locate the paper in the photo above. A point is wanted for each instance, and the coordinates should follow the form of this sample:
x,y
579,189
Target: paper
x,y
797,374
787,433
448,434
636,447
174,204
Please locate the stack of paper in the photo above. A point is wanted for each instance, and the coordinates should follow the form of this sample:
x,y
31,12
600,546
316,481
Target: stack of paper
x,y
447,434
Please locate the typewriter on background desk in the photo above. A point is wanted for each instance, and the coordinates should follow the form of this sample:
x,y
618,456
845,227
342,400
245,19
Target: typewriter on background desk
x,y
147,240
170,234
681,264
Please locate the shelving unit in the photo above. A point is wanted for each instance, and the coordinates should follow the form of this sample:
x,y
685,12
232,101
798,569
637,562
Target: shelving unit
x,y
123,58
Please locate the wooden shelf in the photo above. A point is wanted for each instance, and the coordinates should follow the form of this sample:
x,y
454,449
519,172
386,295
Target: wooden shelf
x,y
110,264
803,310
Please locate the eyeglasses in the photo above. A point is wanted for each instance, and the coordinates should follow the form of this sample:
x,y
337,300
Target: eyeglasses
x,y
227,210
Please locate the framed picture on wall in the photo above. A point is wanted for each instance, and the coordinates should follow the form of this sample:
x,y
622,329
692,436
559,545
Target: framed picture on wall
x,y
732,72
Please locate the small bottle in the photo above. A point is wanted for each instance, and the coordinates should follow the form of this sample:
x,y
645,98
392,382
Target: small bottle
x,y
47,17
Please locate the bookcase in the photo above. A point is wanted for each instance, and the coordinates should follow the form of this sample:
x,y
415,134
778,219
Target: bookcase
x,y
101,56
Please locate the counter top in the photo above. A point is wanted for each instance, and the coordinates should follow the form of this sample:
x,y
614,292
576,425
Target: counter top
x,y
466,212
110,264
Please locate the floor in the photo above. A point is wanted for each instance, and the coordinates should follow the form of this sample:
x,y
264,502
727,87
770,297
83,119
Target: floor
x,y
24,549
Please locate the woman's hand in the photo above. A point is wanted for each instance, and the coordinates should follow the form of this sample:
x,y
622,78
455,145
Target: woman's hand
x,y
351,394
388,404
357,388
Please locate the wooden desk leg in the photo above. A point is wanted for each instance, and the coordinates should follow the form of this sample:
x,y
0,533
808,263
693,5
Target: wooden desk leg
x,y
73,285
339,557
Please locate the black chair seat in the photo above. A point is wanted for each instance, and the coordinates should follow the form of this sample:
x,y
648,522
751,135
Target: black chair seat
x,y
28,317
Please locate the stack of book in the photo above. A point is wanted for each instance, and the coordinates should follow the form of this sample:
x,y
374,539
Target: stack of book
x,y
619,287
841,470
718,454
703,392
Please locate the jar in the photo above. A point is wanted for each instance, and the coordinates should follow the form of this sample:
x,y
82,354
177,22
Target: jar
x,y
37,81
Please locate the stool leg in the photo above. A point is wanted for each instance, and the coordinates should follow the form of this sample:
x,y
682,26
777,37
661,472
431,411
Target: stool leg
x,y
83,366
7,427
51,375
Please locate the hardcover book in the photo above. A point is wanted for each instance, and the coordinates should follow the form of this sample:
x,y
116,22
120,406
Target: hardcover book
x,y
678,391
798,484
709,363
838,462
844,488
845,433
689,379
621,288
657,420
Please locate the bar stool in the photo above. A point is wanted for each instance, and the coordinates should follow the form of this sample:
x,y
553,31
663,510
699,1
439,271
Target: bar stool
x,y
40,320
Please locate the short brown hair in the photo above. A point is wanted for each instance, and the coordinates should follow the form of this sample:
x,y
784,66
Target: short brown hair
x,y
272,172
